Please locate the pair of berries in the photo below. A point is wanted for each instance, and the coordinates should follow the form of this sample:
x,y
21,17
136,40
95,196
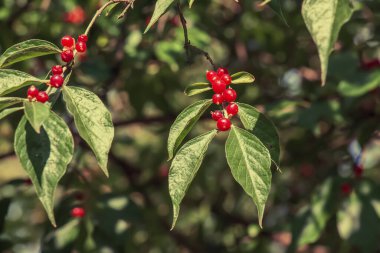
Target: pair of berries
x,y
68,44
78,212
219,81
35,95
56,80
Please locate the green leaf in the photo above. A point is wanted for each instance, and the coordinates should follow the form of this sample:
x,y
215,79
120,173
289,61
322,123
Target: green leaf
x,y
12,80
26,50
45,156
159,10
9,101
242,78
191,2
324,19
9,111
262,128
184,123
250,162
93,121
197,88
184,167
36,113
276,6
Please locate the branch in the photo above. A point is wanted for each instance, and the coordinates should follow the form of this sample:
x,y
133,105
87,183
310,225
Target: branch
x,y
187,45
129,5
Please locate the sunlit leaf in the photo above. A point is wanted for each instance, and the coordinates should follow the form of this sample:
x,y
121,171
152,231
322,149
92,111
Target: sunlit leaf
x,y
197,88
12,80
36,113
159,10
242,78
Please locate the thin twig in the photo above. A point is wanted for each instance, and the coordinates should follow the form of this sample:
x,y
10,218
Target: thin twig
x,y
187,45
129,5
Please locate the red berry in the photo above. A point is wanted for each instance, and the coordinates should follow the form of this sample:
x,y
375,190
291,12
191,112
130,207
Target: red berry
x,y
32,92
57,70
226,78
42,97
219,86
56,81
81,47
358,170
223,124
216,115
222,71
67,55
210,75
232,109
83,38
346,188
229,95
217,99
78,212
67,41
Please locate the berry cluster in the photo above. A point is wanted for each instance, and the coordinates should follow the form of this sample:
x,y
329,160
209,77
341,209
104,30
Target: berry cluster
x,y
224,96
57,78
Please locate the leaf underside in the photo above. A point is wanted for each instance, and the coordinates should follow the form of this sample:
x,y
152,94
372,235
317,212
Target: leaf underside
x,y
159,10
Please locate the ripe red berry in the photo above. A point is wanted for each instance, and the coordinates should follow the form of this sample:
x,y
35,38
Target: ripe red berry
x,y
56,81
229,95
223,124
83,38
67,55
232,109
210,75
57,70
67,41
219,86
358,170
217,99
81,47
32,92
216,115
346,188
78,212
226,78
42,97
222,71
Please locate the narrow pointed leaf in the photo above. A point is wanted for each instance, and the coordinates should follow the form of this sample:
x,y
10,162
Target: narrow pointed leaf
x,y
184,167
26,50
242,78
197,88
9,111
262,128
9,101
12,80
324,19
191,2
249,161
159,10
276,6
36,113
93,121
45,156
184,123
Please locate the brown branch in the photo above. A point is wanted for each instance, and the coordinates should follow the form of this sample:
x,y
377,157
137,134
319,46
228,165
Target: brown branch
x,y
129,5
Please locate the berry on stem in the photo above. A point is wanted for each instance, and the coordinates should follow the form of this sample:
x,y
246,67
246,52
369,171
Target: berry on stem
x,y
67,41
219,86
226,78
32,92
78,212
222,71
42,97
57,70
229,95
216,115
56,81
210,75
83,38
223,124
217,99
81,47
67,55
232,109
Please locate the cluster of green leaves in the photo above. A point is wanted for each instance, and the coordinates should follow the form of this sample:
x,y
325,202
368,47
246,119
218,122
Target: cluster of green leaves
x,y
249,152
43,141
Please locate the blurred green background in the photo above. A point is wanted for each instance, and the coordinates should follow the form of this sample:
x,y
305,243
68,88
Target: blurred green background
x,y
325,132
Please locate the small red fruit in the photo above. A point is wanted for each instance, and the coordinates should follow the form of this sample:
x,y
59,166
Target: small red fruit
x,y
210,75
67,41
56,81
42,97
216,115
346,188
57,70
226,78
217,99
229,95
32,92
83,38
81,47
219,86
222,71
78,212
358,170
232,109
223,124
67,55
